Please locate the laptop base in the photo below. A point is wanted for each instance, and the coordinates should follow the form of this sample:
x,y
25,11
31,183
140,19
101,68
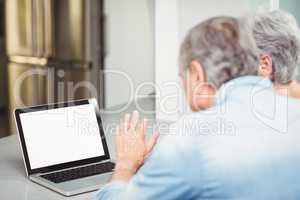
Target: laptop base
x,y
74,187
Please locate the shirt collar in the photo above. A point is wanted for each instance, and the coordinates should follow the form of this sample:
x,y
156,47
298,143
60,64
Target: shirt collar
x,y
234,88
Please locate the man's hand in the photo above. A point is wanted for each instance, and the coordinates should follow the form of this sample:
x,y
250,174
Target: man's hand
x,y
132,149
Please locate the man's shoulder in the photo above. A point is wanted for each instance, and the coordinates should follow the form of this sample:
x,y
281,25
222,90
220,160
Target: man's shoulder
x,y
188,133
206,123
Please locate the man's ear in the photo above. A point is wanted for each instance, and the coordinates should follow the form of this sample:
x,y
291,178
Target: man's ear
x,y
202,93
265,66
196,72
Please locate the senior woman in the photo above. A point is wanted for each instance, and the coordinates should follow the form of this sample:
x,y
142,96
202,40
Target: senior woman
x,y
277,35
224,149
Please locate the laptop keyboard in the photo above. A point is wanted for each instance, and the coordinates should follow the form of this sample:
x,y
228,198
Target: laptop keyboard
x,y
76,173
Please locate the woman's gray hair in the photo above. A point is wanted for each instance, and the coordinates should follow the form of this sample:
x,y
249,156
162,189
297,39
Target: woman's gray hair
x,y
225,48
277,34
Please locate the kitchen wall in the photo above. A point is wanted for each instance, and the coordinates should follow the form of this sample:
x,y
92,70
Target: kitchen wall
x,y
191,12
292,6
129,49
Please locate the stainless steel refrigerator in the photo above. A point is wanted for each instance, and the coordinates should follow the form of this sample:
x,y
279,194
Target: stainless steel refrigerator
x,y
55,51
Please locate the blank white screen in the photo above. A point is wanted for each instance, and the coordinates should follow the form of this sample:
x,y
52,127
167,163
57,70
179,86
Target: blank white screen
x,y
61,135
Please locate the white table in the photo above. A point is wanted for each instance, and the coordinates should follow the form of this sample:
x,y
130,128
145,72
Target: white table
x,y
14,184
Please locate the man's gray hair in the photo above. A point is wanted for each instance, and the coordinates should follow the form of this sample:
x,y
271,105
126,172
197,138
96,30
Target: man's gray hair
x,y
277,34
225,48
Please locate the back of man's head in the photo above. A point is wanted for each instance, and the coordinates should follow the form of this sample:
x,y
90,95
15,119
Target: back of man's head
x,y
277,35
223,46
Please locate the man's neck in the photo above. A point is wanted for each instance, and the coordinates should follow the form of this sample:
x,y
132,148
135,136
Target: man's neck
x,y
292,89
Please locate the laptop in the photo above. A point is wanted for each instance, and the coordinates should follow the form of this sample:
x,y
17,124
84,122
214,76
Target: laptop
x,y
64,146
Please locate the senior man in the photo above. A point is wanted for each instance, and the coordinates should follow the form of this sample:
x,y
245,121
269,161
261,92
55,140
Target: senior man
x,y
227,148
277,35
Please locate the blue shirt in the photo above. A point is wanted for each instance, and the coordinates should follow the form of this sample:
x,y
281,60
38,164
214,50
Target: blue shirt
x,y
246,147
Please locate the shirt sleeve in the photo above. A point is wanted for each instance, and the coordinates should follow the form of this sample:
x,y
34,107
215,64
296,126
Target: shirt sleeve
x,y
161,177
111,190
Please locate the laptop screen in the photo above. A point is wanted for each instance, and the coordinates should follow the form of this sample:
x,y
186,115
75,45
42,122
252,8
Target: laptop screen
x,y
61,135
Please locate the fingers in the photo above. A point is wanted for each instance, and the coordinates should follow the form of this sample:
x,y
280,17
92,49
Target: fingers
x,y
126,122
118,136
152,141
142,129
145,125
118,130
131,122
134,120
